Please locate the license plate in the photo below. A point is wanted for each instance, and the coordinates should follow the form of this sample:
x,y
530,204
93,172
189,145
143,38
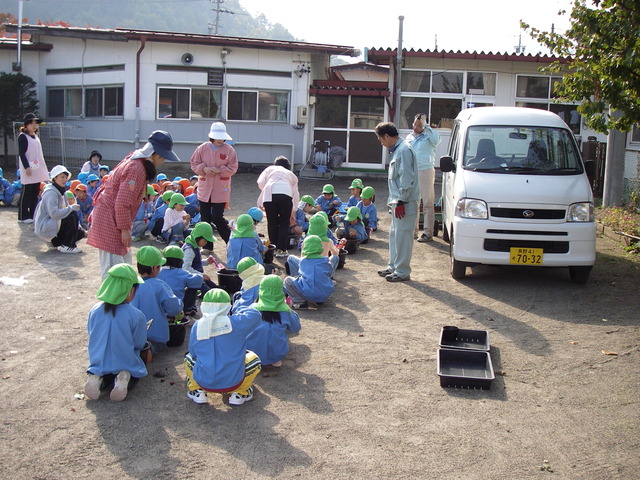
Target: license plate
x,y
525,256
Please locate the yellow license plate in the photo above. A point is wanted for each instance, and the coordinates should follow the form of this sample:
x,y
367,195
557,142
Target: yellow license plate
x,y
525,256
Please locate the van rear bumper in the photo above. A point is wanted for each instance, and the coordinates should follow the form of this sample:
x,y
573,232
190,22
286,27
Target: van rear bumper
x,y
488,242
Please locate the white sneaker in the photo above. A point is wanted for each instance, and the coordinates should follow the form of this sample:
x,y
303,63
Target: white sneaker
x,y
92,388
282,254
198,396
51,247
65,249
119,391
26,220
237,399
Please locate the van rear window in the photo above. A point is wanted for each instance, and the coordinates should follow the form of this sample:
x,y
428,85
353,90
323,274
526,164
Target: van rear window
x,y
515,150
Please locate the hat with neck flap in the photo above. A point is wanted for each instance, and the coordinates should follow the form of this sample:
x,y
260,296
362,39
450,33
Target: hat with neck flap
x,y
201,229
312,247
250,271
120,279
318,227
271,295
215,307
244,227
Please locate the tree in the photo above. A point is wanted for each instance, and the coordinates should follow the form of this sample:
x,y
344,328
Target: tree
x,y
603,73
17,98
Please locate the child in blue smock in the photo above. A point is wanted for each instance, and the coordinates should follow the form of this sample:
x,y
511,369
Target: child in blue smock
x,y
251,273
86,205
200,235
218,359
368,210
244,242
154,297
317,226
93,184
178,279
143,217
7,191
328,202
313,282
351,226
269,339
356,192
301,222
117,333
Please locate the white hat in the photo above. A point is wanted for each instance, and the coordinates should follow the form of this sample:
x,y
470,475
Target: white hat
x,y
57,170
219,132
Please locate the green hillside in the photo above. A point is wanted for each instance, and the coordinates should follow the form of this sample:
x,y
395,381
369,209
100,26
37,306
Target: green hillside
x,y
188,16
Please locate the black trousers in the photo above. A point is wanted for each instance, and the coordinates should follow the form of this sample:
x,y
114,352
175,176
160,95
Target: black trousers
x,y
278,212
214,213
28,200
69,232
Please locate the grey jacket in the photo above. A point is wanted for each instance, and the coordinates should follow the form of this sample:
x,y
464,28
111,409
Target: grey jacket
x,y
51,209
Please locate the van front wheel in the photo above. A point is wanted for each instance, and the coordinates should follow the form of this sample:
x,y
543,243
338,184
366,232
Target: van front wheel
x,y
579,275
458,269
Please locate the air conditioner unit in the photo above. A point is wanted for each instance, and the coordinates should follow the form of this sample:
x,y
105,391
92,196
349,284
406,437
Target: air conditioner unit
x,y
303,114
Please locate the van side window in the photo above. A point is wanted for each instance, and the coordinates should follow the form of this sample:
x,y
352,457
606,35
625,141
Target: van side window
x,y
455,140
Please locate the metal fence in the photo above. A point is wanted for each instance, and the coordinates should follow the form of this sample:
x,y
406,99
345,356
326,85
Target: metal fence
x,y
62,144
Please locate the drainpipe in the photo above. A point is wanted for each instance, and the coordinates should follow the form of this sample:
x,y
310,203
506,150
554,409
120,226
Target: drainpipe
x,y
398,89
136,139
18,65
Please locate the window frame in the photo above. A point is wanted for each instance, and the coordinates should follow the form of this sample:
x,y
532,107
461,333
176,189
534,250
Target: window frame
x,y
67,100
190,89
258,118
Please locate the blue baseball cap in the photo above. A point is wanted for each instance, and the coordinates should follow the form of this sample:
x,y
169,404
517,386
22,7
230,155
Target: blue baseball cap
x,y
161,176
92,178
163,144
256,214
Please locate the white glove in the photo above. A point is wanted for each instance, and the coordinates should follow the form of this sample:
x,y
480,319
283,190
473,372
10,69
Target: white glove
x,y
75,207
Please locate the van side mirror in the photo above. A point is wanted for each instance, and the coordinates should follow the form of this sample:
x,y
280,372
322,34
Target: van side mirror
x,y
446,164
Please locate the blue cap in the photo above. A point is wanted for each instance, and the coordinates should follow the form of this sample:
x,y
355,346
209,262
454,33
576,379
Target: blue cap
x,y
256,214
104,167
163,144
1,173
161,176
177,179
92,177
82,176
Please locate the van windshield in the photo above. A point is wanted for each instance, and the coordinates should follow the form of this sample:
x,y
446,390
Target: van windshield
x,y
521,150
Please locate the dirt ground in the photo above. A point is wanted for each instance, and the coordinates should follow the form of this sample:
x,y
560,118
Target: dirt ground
x,y
358,395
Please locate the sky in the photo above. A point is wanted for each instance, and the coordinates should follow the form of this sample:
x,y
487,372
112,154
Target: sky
x,y
466,25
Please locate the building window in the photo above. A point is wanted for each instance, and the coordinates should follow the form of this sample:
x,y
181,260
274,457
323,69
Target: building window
x,y
99,102
443,94
258,106
447,82
188,103
347,122
539,92
481,83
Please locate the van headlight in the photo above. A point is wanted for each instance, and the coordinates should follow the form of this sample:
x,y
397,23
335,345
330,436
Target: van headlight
x,y
581,212
471,208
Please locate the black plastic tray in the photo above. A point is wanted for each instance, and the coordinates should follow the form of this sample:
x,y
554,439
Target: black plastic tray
x,y
459,338
464,369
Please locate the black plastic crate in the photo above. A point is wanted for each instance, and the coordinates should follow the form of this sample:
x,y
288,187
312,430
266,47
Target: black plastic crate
x,y
459,338
465,369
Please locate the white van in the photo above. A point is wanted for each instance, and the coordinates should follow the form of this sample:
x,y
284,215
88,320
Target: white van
x,y
515,192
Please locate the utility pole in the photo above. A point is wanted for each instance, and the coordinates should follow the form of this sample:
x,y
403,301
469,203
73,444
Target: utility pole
x,y
398,85
215,25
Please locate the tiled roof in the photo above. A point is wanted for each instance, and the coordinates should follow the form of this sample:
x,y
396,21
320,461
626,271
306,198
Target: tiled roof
x,y
382,56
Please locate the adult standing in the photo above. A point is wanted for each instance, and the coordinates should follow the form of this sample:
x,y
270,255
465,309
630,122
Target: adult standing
x,y
404,196
215,162
117,201
423,141
33,168
279,197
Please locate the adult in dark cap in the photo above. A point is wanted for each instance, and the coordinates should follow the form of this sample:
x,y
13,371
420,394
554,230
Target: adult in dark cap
x,y
117,201
33,168
93,164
